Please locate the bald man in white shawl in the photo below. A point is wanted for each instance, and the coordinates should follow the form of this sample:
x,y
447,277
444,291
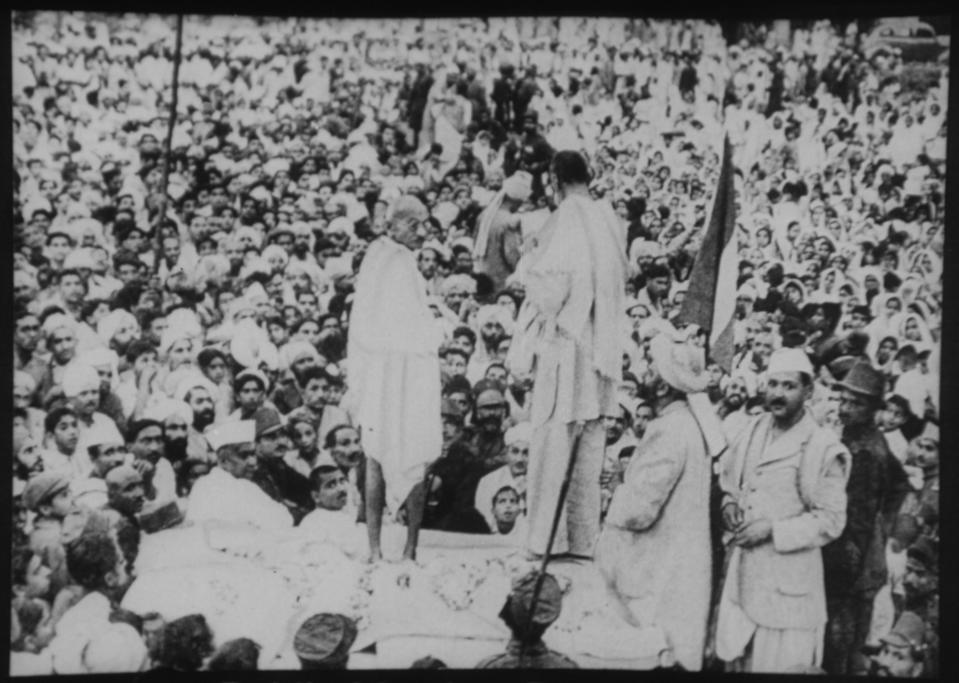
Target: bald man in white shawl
x,y
499,237
655,551
567,335
394,372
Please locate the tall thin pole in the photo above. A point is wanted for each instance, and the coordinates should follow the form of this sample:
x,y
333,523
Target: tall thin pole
x,y
168,144
557,515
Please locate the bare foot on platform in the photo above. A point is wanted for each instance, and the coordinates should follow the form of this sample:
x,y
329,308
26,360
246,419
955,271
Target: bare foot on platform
x,y
376,557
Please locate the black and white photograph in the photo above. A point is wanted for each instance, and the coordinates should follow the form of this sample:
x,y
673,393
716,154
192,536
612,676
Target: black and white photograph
x,y
549,342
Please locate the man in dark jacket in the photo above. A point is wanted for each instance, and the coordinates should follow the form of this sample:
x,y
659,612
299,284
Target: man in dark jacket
x,y
855,563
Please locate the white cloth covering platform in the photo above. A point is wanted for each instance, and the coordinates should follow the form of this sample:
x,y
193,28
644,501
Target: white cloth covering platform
x,y
264,585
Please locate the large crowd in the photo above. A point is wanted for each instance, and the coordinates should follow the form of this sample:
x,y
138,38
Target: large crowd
x,y
180,356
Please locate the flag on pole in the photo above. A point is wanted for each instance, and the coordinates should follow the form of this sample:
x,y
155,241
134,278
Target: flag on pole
x,y
711,298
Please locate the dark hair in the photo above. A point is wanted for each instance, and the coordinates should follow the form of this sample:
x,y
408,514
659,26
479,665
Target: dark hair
x,y
91,557
330,439
133,431
657,270
318,471
571,168
89,307
464,331
206,357
239,654
187,641
19,561
54,416
454,351
313,372
138,348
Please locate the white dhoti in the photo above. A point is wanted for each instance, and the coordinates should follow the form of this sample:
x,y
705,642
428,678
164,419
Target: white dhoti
x,y
393,368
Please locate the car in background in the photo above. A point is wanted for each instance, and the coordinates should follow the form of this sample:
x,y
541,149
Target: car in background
x,y
913,40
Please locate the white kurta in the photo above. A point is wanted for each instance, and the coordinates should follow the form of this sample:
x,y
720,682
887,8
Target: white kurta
x,y
221,496
393,368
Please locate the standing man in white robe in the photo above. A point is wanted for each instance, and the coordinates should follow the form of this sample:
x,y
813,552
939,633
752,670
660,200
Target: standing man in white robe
x,y
654,551
569,339
394,373
784,497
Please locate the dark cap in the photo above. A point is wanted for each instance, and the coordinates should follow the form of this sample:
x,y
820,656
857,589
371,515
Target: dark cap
x,y
924,550
324,637
267,421
865,380
548,604
42,487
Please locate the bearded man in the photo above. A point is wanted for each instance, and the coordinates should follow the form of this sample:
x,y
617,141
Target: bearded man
x,y
655,551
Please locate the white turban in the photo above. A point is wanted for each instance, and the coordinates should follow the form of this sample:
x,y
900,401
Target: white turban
x,y
113,322
255,293
79,259
59,321
494,313
166,408
78,378
248,344
275,251
641,247
521,433
294,350
518,187
186,320
115,648
192,379
459,283
171,335
680,364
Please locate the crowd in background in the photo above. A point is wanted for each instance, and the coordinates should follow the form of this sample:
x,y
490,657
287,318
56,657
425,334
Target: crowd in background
x,y
144,321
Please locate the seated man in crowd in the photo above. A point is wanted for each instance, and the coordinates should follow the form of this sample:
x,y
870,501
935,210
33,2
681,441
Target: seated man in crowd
x,y
227,492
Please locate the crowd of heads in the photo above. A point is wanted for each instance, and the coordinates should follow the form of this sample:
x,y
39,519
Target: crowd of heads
x,y
159,296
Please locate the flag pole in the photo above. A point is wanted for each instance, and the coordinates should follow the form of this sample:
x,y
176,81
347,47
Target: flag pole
x,y
557,514
168,143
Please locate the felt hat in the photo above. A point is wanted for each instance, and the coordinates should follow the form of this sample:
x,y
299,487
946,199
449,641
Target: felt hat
x,y
865,380
42,487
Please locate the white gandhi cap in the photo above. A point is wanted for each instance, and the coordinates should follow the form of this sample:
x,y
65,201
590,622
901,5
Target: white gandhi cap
x,y
790,360
230,433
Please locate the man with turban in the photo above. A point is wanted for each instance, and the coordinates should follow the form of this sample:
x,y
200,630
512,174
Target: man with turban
x,y
394,373
498,235
571,342
60,335
783,479
81,387
654,551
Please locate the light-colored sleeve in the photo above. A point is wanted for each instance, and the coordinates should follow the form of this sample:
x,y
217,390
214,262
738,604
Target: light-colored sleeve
x,y
164,481
268,514
826,517
649,480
